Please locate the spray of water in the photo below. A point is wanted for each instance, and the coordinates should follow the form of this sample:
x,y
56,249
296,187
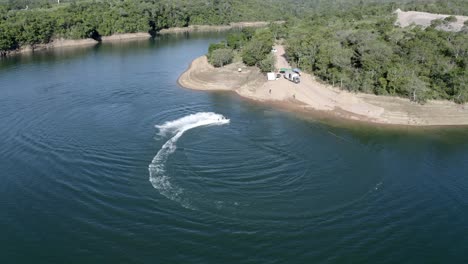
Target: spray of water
x,y
157,169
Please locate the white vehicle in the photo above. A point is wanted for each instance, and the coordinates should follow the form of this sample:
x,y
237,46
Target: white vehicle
x,y
292,76
271,76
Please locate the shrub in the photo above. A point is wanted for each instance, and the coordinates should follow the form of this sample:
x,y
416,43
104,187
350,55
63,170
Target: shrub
x,y
451,19
436,22
267,64
235,40
215,46
221,57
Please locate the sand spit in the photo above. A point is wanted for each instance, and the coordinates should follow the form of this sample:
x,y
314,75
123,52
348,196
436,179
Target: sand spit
x,y
405,19
207,28
126,36
203,76
56,43
60,43
314,96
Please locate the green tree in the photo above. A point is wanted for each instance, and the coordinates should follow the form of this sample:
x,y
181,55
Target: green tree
x,y
7,38
268,63
221,57
252,53
450,19
36,28
417,89
235,40
215,46
460,88
258,47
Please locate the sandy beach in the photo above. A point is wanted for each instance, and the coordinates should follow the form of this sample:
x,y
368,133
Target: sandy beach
x,y
312,95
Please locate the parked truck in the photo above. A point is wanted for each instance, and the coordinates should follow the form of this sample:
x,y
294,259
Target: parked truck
x,y
292,76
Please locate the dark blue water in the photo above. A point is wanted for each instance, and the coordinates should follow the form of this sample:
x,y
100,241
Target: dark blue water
x,y
78,136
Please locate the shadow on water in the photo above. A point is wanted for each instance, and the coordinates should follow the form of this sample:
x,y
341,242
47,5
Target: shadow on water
x,y
123,47
42,57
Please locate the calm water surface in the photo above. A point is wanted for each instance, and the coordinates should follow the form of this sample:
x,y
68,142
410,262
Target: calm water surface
x,y
78,145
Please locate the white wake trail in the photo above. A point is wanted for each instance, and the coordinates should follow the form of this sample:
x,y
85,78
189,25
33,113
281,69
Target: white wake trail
x,y
157,169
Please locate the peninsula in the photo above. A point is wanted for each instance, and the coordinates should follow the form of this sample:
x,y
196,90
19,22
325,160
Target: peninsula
x,y
314,96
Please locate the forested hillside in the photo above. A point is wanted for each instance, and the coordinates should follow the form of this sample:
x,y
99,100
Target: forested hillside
x,y
30,22
360,49
45,20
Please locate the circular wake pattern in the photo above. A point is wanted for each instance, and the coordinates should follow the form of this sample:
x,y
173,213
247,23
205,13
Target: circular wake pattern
x,y
259,168
157,169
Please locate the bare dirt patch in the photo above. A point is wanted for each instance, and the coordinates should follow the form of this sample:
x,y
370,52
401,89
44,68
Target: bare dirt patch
x,y
405,19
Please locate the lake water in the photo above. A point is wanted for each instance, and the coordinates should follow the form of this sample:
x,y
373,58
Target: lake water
x,y
84,130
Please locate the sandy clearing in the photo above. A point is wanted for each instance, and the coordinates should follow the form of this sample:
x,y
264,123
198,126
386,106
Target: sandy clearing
x,y
214,28
126,36
405,19
313,95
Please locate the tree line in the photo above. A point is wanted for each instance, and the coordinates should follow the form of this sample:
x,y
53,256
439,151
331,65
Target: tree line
x,y
253,46
21,24
31,22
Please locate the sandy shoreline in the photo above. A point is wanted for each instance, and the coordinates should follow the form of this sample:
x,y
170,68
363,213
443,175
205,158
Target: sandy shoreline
x,y
314,96
126,36
212,28
56,43
69,43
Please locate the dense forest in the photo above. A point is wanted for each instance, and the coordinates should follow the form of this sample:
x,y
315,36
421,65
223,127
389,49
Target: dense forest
x,y
347,43
252,46
360,49
31,22
41,21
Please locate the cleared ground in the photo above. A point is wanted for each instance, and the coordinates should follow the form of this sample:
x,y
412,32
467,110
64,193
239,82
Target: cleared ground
x,y
405,19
